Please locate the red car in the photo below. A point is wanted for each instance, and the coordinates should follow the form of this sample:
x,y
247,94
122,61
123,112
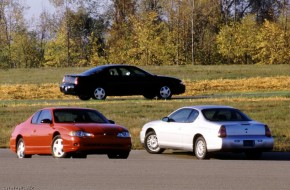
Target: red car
x,y
66,132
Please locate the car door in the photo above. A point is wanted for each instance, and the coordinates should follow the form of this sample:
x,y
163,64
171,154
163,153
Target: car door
x,y
42,132
113,81
172,133
188,130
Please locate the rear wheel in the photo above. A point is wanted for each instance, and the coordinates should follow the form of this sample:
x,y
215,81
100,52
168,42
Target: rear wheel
x,y
21,149
99,93
57,148
165,92
200,149
118,155
151,143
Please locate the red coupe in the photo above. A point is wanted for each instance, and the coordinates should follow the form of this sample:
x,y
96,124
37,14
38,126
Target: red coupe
x,y
66,132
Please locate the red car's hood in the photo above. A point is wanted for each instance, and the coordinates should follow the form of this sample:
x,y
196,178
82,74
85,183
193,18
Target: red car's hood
x,y
93,127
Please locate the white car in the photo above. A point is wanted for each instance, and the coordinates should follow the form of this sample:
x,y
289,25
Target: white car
x,y
205,129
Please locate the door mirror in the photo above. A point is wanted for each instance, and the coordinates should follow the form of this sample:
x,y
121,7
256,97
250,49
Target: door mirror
x,y
167,119
111,121
48,121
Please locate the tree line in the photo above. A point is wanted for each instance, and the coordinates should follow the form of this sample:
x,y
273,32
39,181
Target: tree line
x,y
145,32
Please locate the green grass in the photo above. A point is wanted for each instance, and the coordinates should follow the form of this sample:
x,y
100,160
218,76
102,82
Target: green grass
x,y
271,107
134,112
188,72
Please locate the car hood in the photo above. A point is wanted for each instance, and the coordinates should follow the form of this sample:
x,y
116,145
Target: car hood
x,y
94,128
162,77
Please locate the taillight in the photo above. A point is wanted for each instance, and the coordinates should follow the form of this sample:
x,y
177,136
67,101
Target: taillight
x,y
267,131
63,80
76,80
222,132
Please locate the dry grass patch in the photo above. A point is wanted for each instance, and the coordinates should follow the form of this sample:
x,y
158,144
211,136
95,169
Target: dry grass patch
x,y
238,85
51,90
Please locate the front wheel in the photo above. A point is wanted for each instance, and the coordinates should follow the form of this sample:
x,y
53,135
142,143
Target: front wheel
x,y
57,148
99,93
21,149
165,92
151,143
200,149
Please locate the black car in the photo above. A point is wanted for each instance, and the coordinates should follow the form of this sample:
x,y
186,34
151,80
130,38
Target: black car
x,y
120,80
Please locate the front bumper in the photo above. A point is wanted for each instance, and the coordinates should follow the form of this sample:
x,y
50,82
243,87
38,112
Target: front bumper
x,y
97,144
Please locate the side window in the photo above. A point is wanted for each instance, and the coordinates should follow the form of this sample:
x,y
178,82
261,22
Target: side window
x,y
192,116
35,117
138,73
113,72
125,72
181,116
45,114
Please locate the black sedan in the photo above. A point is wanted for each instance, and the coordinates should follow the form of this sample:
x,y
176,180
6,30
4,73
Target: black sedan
x,y
120,80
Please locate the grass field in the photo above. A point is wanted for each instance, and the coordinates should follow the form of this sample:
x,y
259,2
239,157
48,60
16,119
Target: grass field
x,y
263,92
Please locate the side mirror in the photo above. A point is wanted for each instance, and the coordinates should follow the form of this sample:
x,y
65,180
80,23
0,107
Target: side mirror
x,y
167,119
111,121
48,121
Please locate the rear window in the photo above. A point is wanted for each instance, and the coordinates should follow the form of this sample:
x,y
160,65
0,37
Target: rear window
x,y
224,114
78,116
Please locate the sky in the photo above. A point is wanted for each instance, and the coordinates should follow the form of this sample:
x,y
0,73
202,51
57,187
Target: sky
x,y
36,7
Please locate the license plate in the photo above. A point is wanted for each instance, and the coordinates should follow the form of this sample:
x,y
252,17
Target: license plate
x,y
249,143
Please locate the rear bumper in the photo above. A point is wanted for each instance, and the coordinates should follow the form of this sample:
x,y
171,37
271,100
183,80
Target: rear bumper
x,y
261,143
68,89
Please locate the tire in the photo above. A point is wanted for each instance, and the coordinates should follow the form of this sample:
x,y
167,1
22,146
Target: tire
x,y
149,96
151,143
20,151
253,155
57,148
118,155
200,149
99,93
165,92
84,97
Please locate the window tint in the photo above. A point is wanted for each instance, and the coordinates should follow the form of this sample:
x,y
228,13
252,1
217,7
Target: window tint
x,y
181,116
113,72
224,114
78,116
35,117
192,116
44,114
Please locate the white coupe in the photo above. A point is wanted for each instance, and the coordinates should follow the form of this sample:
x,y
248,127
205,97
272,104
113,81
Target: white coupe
x,y
205,129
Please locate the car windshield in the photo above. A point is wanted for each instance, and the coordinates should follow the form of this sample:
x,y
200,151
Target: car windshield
x,y
224,114
78,116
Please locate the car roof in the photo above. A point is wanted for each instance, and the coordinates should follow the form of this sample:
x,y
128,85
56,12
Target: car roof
x,y
202,107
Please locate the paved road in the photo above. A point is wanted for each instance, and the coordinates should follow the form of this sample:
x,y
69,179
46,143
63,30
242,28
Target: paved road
x,y
170,170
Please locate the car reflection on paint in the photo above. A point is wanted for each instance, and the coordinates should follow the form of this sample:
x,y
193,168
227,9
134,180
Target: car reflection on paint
x,y
205,129
70,132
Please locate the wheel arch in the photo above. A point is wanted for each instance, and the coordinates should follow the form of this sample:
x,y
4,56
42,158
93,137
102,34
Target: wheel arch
x,y
17,139
149,130
196,136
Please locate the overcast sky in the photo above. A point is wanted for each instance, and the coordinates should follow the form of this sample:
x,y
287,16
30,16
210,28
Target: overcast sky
x,y
36,7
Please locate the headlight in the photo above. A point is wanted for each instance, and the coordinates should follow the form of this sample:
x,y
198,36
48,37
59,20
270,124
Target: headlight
x,y
123,134
80,134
